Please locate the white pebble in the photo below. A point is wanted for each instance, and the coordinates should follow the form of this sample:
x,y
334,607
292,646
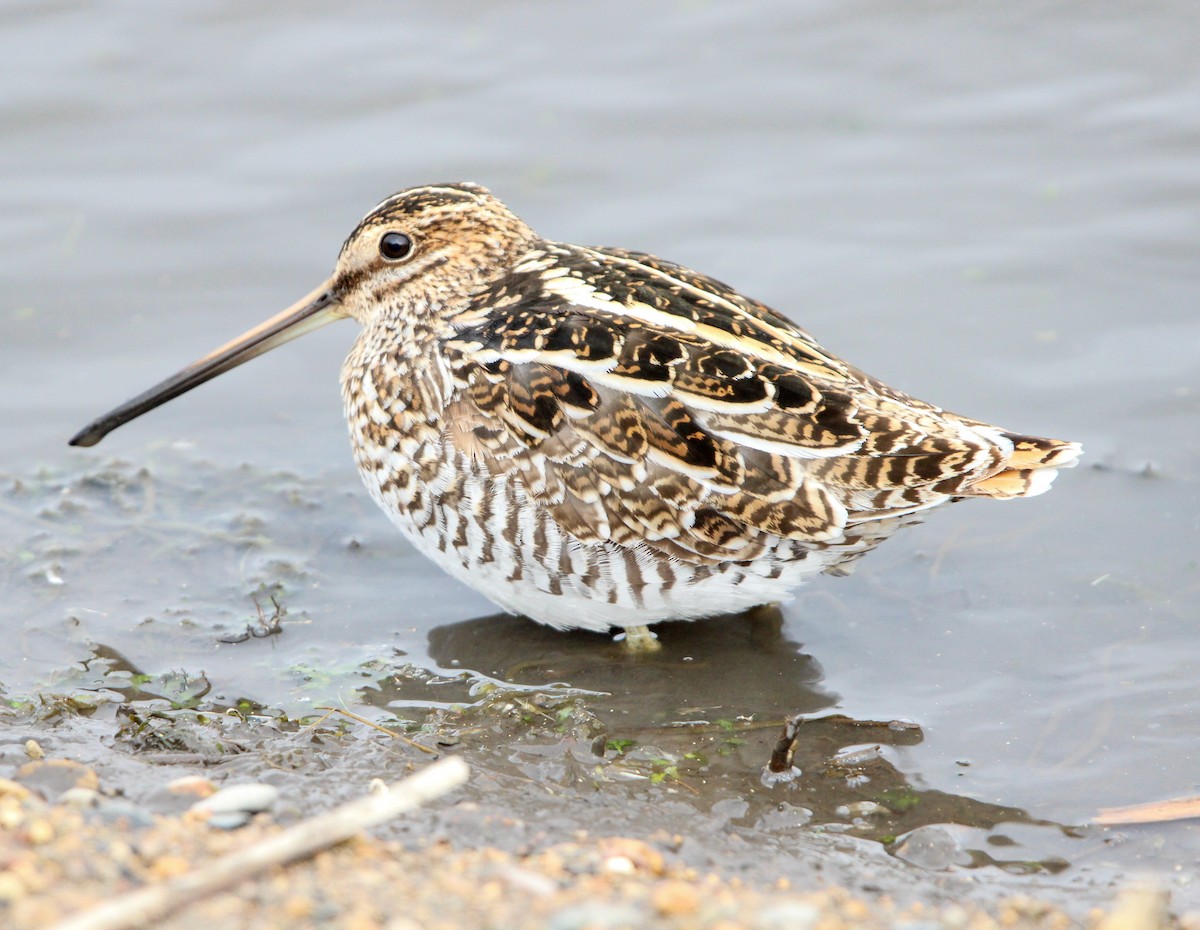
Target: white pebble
x,y
250,798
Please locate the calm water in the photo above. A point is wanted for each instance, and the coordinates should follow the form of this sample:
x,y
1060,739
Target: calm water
x,y
994,207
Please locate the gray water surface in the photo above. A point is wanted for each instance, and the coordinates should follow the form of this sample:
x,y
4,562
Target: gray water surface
x,y
991,206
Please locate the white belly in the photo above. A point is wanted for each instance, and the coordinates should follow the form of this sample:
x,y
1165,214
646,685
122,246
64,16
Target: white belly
x,y
511,552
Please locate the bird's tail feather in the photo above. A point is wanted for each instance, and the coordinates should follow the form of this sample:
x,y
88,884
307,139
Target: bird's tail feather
x,y
1029,470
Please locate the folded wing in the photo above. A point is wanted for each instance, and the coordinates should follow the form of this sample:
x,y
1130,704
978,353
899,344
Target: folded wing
x,y
645,404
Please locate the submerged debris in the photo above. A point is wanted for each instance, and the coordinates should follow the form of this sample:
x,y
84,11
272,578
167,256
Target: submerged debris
x,y
264,627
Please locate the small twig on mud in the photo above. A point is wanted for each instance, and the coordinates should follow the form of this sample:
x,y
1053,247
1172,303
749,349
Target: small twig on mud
x,y
392,733
147,906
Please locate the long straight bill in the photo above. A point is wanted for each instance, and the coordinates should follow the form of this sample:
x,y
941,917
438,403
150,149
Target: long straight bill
x,y
310,312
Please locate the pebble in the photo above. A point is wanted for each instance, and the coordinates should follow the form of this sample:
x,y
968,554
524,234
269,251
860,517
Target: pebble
x,y
11,887
861,809
619,865
229,820
192,786
39,832
675,898
13,789
51,777
644,856
931,847
122,812
233,807
80,798
252,798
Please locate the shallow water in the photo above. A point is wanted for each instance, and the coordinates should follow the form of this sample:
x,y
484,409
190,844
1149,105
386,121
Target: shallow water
x,y
991,207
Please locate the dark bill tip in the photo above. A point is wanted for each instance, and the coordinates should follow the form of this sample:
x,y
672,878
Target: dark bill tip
x,y
310,312
91,434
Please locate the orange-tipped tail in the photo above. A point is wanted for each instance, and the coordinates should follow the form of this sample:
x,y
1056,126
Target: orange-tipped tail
x,y
1029,470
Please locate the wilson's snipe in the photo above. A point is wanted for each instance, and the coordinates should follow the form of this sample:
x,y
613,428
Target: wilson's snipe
x,y
599,438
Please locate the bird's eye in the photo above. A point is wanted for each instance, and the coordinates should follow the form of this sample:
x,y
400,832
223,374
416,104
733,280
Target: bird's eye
x,y
395,246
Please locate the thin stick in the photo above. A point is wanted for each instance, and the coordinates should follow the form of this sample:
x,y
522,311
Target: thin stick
x,y
392,733
1150,812
148,906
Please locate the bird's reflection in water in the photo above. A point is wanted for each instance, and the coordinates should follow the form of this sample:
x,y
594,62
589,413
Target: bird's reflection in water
x,y
739,666
720,712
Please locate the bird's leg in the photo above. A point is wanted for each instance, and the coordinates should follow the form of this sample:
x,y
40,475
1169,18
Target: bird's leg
x,y
639,640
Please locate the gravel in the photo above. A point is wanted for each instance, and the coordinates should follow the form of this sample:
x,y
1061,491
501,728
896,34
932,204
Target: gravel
x,y
59,857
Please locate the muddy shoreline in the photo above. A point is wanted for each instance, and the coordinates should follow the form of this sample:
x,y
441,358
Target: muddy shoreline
x,y
70,842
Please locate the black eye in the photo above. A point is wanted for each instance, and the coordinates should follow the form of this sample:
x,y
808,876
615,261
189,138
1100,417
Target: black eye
x,y
395,246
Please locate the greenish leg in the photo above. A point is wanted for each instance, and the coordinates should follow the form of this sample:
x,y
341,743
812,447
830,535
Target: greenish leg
x,y
640,640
